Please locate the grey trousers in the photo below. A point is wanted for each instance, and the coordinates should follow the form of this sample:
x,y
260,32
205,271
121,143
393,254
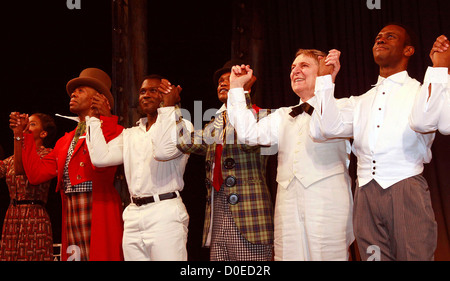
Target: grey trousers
x,y
395,224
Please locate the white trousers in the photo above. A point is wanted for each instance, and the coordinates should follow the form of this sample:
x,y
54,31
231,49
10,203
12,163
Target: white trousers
x,y
315,223
156,231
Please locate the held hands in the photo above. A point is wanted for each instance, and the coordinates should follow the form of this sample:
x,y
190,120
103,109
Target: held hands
x,y
170,95
18,123
242,77
440,53
330,65
100,106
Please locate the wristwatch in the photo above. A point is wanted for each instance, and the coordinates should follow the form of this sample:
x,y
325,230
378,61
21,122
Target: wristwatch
x,y
18,138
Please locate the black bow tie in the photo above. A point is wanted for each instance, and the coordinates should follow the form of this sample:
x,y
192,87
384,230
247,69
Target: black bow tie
x,y
304,107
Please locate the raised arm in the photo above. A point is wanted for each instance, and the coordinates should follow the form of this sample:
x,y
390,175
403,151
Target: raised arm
x,y
18,123
332,118
165,139
167,131
37,169
444,120
102,154
249,130
428,114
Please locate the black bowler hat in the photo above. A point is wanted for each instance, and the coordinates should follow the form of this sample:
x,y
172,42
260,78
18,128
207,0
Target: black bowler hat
x,y
226,68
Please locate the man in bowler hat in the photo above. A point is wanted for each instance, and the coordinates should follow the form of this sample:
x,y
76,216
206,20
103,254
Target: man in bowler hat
x,y
92,224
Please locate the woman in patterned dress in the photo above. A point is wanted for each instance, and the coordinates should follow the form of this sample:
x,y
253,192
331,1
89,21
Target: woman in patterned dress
x,y
27,231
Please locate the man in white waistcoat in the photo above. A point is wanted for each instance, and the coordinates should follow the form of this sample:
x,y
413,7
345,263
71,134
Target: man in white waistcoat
x,y
393,215
313,212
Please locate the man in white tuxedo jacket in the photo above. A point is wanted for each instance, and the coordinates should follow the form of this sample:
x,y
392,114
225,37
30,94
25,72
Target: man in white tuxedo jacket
x,y
313,212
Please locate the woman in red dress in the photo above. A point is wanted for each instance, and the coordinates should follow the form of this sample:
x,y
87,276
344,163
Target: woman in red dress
x,y
27,231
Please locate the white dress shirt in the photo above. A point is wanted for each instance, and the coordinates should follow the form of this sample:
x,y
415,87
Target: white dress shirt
x,y
388,150
298,155
152,163
432,112
313,210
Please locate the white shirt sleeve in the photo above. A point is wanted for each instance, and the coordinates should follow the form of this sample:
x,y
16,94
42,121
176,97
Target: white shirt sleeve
x,y
332,118
444,119
249,130
102,154
164,137
428,106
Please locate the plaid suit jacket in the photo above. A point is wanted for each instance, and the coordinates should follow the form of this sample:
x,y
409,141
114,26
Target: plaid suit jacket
x,y
253,214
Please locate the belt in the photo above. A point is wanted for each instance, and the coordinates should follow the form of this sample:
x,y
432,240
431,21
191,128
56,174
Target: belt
x,y
148,200
15,202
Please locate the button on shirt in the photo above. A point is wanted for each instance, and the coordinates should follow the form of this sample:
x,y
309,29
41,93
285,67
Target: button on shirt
x,y
388,150
152,163
384,89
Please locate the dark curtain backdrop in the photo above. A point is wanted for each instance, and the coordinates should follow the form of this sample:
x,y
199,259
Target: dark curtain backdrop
x,y
280,28
45,45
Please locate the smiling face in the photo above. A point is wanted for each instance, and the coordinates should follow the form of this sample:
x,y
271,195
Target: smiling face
x,y
303,76
36,128
223,87
392,46
149,96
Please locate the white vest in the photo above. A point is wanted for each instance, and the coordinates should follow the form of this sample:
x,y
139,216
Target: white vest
x,y
399,152
299,156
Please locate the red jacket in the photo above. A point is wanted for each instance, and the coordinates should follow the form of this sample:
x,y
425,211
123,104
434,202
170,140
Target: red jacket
x,y
107,224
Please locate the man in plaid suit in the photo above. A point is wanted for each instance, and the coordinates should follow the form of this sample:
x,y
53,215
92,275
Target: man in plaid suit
x,y
239,210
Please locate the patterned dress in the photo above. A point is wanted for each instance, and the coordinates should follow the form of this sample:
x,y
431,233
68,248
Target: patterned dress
x,y
27,231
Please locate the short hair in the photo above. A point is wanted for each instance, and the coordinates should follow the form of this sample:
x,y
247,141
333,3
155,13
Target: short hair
x,y
411,36
312,53
48,125
153,76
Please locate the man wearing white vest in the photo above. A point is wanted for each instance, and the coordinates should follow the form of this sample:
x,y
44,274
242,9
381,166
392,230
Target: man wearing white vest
x,y
393,215
313,212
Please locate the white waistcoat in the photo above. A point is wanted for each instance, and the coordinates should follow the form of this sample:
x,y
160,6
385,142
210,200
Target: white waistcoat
x,y
299,156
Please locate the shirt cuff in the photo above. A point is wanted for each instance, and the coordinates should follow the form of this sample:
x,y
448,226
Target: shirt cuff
x,y
436,75
237,95
324,83
166,110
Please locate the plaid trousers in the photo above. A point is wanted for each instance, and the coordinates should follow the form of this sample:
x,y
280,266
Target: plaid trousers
x,y
79,215
227,243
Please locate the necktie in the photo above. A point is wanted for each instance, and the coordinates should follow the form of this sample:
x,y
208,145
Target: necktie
x,y
81,129
218,179
304,107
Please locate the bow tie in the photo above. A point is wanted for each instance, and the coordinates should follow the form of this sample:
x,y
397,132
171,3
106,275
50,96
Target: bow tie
x,y
304,107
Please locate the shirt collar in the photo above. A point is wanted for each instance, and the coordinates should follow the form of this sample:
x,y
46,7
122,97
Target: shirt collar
x,y
398,78
73,118
312,101
222,109
142,123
